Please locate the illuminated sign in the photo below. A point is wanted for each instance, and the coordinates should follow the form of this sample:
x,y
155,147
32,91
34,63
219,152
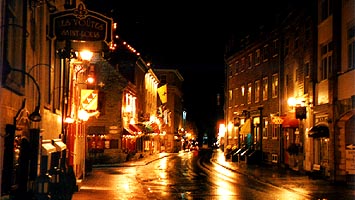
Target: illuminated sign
x,y
80,24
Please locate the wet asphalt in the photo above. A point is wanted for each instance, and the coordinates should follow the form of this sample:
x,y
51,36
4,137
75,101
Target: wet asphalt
x,y
276,176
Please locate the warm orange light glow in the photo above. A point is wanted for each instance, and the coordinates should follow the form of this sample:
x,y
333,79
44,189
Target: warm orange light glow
x,y
90,80
83,115
69,120
86,55
291,101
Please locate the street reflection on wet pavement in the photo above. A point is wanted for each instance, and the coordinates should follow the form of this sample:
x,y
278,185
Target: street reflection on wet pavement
x,y
203,175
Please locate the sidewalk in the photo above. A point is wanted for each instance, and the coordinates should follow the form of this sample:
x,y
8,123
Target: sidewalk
x,y
286,178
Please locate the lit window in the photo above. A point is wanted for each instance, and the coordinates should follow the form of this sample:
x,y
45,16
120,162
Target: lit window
x,y
250,60
265,129
257,57
242,94
275,85
249,93
274,158
265,88
275,129
257,91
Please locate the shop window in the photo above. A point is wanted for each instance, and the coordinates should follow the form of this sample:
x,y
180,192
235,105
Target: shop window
x,y
274,158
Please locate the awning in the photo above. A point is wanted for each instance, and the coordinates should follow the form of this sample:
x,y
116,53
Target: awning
x,y
127,131
318,131
245,128
134,128
60,146
289,122
47,149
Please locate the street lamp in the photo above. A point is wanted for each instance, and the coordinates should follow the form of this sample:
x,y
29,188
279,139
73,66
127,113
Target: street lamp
x,y
86,55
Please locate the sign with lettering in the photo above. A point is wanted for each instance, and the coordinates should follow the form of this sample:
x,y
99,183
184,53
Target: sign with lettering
x,y
80,24
276,120
350,161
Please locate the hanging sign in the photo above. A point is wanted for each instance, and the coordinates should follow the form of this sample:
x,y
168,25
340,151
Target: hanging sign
x,y
350,159
80,24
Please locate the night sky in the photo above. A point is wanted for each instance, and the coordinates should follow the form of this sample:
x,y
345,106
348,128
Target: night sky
x,y
191,37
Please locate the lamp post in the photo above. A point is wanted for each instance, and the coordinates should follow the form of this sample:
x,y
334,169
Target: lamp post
x,y
28,149
81,115
35,116
64,53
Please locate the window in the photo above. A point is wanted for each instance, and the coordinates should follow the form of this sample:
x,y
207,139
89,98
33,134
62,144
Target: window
x,y
265,129
257,91
235,95
266,53
275,130
237,67
274,158
326,60
265,88
326,9
257,57
351,47
249,93
275,85
250,60
230,70
306,78
230,96
242,90
15,45
101,103
242,67
275,48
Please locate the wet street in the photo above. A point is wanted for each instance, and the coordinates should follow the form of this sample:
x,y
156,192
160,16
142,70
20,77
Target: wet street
x,y
194,175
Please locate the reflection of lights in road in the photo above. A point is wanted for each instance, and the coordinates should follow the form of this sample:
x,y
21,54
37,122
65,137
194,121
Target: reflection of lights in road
x,y
288,195
162,163
94,188
163,174
224,189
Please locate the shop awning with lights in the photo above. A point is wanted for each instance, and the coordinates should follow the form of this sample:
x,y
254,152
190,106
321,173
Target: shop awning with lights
x,y
318,131
132,129
289,122
127,132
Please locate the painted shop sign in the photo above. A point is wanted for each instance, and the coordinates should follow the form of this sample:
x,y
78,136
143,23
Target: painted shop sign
x,y
80,24
350,158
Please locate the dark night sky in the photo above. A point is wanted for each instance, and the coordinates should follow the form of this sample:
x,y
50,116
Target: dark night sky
x,y
190,37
